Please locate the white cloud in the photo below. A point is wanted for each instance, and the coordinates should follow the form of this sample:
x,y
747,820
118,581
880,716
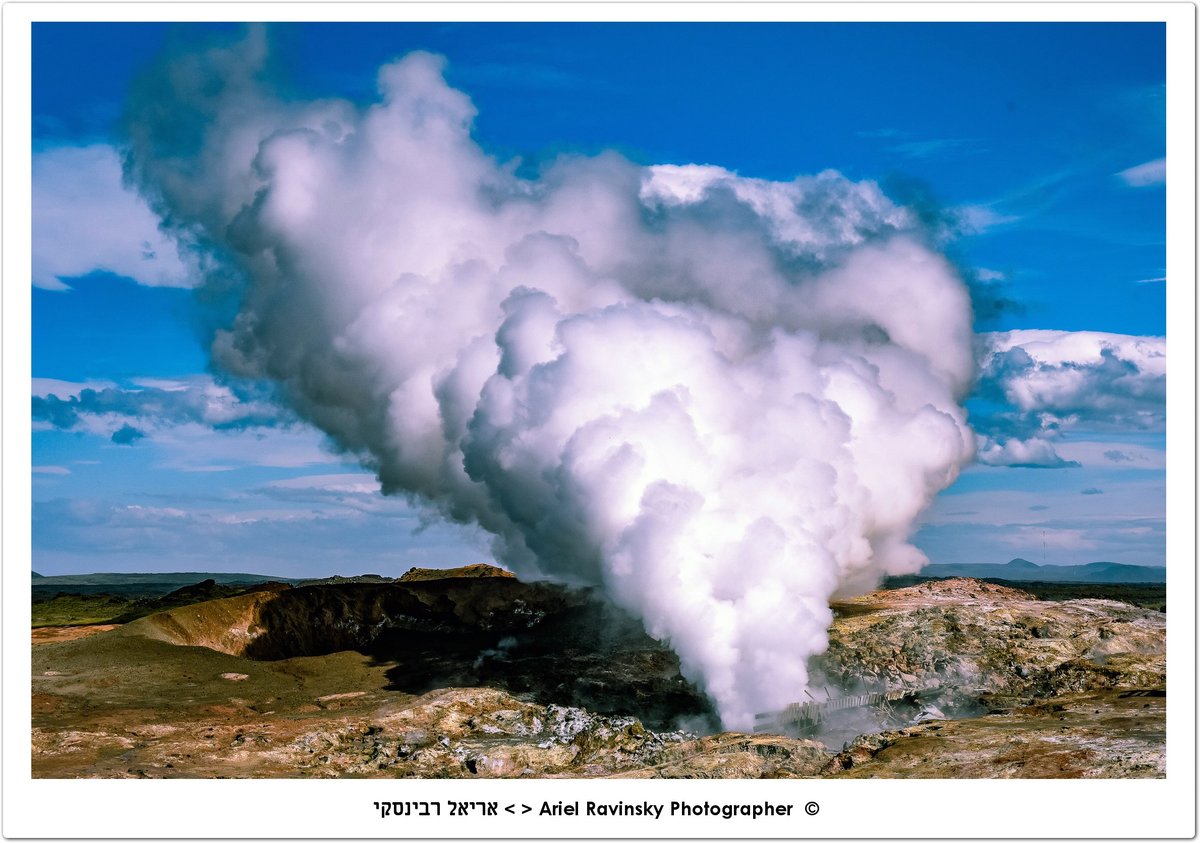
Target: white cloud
x,y
165,384
85,220
355,484
1079,376
212,534
850,212
138,512
41,387
1003,499
1052,382
977,219
1158,280
51,469
1144,175
1021,453
1061,539
1057,348
198,448
1113,455
155,403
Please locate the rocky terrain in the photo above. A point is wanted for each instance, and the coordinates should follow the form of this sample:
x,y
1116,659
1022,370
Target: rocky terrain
x,y
486,676
1008,685
549,643
997,642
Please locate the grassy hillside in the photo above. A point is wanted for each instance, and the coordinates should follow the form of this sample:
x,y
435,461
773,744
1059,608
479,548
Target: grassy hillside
x,y
64,609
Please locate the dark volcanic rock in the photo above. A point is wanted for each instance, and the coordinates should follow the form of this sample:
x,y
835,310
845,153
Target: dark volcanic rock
x,y
543,641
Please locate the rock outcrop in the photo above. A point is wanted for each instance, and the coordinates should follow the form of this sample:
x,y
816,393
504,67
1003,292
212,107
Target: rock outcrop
x,y
475,571
989,641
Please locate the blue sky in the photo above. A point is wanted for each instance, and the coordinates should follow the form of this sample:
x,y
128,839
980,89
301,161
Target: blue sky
x,y
1038,147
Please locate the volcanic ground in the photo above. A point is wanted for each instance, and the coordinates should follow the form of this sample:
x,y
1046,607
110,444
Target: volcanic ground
x,y
486,676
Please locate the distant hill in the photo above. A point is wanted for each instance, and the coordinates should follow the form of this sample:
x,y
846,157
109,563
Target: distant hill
x,y
341,580
476,571
1023,569
160,585
182,578
139,585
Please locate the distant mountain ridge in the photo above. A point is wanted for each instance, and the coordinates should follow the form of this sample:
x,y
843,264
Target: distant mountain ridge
x,y
181,578
1016,569
1023,569
139,585
155,585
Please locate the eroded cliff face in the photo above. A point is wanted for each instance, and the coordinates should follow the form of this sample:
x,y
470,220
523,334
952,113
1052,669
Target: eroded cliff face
x,y
493,677
553,644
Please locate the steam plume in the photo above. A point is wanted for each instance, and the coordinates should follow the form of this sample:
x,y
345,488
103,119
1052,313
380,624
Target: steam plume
x,y
723,399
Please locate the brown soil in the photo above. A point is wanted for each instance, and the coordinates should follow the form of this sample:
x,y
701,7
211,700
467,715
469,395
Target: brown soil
x,y
52,634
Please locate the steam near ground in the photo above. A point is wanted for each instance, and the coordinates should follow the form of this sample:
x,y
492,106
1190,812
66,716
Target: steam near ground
x,y
723,399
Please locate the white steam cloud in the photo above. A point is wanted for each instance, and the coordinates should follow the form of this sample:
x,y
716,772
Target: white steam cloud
x,y
723,399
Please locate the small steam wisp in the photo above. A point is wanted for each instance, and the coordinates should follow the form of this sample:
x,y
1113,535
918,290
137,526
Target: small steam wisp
x,y
722,399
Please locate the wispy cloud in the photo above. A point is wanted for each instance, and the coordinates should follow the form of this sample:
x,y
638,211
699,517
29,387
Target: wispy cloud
x,y
1151,280
976,219
1144,175
927,148
1060,539
51,469
1079,538
125,414
881,133
1026,201
42,387
85,220
911,145
1116,453
262,535
199,448
355,484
